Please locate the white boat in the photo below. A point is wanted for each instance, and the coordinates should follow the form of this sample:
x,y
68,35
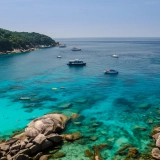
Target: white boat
x,y
59,56
76,49
76,62
115,56
62,45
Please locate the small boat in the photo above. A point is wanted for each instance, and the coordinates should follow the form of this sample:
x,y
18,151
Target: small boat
x,y
76,49
59,56
111,71
76,62
62,45
115,56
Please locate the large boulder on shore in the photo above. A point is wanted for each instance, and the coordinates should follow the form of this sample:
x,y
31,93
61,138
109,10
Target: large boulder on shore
x,y
39,135
47,124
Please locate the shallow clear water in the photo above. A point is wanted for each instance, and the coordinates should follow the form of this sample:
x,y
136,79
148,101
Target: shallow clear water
x,y
121,104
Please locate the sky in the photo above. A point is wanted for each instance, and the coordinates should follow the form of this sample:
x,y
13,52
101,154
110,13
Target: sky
x,y
82,18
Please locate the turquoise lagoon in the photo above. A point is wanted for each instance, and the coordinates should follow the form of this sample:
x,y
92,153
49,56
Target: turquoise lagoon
x,y
125,106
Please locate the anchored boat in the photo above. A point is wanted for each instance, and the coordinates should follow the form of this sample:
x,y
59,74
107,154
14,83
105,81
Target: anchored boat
x,y
111,71
76,49
115,56
76,62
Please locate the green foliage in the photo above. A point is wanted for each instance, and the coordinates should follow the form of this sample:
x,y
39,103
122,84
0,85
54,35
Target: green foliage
x,y
22,40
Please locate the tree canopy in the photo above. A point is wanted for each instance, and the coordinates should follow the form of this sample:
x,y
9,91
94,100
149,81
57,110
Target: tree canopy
x,y
22,40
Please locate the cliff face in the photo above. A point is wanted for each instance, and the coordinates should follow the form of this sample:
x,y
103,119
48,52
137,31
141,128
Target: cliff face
x,y
10,41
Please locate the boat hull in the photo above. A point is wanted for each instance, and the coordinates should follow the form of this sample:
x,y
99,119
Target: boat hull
x,y
111,72
76,49
115,56
83,64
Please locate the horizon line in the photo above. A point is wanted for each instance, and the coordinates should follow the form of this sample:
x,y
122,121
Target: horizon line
x,y
103,37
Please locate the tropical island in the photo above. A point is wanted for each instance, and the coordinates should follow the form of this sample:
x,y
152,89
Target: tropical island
x,y
16,42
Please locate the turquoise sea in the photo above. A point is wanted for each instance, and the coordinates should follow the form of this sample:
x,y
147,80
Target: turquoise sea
x,y
125,107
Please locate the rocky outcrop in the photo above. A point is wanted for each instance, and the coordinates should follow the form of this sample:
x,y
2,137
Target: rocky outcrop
x,y
39,135
156,136
156,153
46,125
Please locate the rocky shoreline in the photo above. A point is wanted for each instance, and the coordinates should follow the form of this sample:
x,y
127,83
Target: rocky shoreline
x,y
15,51
40,134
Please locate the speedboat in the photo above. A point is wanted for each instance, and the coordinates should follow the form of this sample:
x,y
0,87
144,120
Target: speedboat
x,y
59,56
62,45
76,49
111,71
115,56
76,62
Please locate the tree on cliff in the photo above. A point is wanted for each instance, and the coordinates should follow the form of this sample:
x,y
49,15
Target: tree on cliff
x,y
22,40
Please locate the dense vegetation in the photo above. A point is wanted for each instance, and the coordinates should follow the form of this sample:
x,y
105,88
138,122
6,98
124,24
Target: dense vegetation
x,y
22,40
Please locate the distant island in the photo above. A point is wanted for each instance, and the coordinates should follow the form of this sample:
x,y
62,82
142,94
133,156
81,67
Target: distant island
x,y
16,42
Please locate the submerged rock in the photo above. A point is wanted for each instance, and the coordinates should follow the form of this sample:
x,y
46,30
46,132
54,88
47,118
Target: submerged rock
x,y
123,102
88,153
95,125
74,116
104,146
66,105
77,135
73,136
97,155
29,110
81,142
124,149
150,121
132,153
139,128
94,138
59,155
68,137
81,100
78,123
144,106
145,157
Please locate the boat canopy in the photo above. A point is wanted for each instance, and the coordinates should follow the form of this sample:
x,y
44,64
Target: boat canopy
x,y
75,61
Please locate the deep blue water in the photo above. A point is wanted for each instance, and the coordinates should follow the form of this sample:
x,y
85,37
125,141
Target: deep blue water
x,y
121,104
